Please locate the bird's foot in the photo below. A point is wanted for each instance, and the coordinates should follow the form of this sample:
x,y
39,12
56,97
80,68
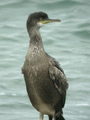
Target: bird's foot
x,y
41,116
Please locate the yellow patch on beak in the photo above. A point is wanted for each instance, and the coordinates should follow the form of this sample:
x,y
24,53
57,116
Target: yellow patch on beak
x,y
49,21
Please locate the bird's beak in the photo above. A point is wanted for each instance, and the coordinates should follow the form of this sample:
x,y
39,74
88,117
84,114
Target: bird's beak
x,y
49,21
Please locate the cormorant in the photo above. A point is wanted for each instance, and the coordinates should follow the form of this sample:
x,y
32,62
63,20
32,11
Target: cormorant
x,y
45,80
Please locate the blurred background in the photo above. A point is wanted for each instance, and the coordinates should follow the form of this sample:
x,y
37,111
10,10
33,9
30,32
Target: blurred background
x,y
68,42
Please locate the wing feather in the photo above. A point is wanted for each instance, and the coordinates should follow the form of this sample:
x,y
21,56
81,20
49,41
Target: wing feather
x,y
58,77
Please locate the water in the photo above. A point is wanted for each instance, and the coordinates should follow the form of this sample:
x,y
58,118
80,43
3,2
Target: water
x,y
68,42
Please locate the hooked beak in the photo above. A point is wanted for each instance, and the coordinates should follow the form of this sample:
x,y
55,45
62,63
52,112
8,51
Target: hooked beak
x,y
49,21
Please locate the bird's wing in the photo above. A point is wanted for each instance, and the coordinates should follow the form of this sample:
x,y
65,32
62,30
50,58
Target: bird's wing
x,y
58,77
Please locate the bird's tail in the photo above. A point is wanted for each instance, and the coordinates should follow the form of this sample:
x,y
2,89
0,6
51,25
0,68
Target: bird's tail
x,y
59,117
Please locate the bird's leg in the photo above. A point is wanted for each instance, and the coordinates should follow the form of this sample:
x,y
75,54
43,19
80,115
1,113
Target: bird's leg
x,y
41,116
53,118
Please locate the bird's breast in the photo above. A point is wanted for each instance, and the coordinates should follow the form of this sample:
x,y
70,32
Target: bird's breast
x,y
36,78
39,86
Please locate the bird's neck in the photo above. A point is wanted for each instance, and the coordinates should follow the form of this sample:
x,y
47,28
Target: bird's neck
x,y
35,38
36,50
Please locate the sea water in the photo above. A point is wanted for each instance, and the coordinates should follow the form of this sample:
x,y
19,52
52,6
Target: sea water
x,y
67,41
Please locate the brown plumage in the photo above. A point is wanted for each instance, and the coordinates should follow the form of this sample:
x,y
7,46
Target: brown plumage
x,y
45,80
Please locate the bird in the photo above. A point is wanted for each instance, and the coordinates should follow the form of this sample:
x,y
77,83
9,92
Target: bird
x,y
45,80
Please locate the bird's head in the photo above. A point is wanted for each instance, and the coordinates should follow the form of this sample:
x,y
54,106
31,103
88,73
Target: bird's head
x,y
39,19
